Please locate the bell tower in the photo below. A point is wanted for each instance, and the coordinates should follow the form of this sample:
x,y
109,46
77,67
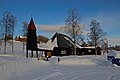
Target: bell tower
x,y
31,39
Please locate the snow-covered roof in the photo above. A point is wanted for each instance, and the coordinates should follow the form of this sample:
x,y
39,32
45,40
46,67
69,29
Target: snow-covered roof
x,y
60,40
22,36
49,45
91,47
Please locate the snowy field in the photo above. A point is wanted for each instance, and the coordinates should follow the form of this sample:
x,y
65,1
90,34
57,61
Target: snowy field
x,y
14,66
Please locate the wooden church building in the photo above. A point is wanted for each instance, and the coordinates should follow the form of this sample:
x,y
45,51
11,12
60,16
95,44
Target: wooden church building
x,y
58,45
62,45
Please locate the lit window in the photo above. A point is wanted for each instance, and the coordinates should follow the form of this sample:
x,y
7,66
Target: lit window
x,y
89,50
63,51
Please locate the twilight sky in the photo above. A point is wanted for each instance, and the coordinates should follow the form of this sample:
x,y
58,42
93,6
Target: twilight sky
x,y
48,15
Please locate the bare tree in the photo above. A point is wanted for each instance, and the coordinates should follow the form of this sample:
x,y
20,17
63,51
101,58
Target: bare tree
x,y
7,26
73,27
104,45
96,34
0,35
12,26
24,32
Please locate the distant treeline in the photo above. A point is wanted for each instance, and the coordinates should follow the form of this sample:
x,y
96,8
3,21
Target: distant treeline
x,y
117,47
42,39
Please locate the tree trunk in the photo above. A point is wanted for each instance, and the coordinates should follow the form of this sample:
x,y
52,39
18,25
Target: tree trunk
x,y
12,43
12,46
5,46
23,46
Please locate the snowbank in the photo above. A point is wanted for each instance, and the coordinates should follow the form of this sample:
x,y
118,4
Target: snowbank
x,y
117,54
12,66
114,53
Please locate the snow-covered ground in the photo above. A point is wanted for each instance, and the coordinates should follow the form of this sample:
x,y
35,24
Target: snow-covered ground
x,y
14,66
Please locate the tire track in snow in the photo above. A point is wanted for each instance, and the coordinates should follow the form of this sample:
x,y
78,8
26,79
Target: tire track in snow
x,y
114,77
48,76
78,76
55,74
2,70
67,76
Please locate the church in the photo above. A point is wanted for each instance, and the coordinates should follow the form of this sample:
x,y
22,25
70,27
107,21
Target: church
x,y
58,45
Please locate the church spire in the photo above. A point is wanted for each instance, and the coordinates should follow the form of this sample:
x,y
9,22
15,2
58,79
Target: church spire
x,y
31,25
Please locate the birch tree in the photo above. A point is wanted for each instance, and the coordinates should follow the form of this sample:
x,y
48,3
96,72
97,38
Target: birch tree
x,y
73,27
96,35
12,26
7,24
24,32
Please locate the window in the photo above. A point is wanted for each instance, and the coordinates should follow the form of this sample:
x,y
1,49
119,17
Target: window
x,y
72,50
89,50
63,51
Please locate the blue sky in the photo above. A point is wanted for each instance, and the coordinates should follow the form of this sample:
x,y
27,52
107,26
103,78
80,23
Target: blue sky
x,y
54,12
